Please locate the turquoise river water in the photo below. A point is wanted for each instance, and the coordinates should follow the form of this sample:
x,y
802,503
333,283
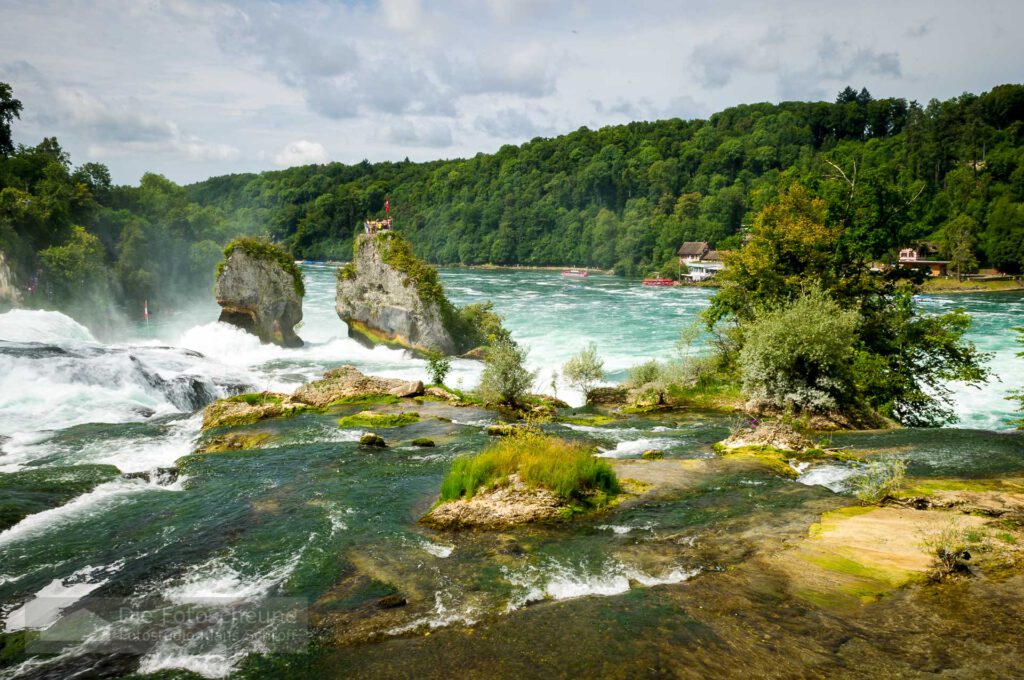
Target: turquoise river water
x,y
95,511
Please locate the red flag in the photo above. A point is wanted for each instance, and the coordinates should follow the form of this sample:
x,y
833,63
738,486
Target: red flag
x,y
387,205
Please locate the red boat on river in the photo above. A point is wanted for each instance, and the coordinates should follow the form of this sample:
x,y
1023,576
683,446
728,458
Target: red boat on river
x,y
576,273
659,282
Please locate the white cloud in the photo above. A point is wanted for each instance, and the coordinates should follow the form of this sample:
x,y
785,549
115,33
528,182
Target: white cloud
x,y
407,132
196,87
301,152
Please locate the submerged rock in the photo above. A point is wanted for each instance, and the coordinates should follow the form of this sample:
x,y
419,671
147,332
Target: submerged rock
x,y
260,290
423,442
235,441
373,441
391,601
375,419
508,505
346,383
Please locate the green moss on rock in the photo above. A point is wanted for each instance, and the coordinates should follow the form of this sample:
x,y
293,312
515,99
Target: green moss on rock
x,y
33,490
373,419
267,251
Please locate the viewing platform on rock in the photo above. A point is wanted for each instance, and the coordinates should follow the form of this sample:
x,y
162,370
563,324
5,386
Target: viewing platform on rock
x,y
377,226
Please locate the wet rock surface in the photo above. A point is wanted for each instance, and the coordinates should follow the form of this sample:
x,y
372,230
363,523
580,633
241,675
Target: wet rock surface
x,y
504,506
346,382
259,296
379,303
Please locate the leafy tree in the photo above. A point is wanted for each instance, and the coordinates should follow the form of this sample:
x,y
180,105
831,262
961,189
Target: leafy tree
x,y
76,270
584,370
438,367
10,108
798,355
958,239
902,358
505,378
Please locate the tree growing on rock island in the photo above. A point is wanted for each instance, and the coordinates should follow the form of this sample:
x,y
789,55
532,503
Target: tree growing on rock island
x,y
584,370
505,379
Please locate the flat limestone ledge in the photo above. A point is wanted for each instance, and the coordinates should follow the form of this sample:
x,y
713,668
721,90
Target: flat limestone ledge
x,y
856,554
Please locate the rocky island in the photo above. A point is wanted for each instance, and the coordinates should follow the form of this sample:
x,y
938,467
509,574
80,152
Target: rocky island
x,y
260,290
386,295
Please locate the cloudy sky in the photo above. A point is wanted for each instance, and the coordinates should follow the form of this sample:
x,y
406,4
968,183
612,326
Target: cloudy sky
x,y
193,88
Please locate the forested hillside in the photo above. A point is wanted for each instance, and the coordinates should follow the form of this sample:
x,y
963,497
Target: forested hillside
x,y
623,196
626,196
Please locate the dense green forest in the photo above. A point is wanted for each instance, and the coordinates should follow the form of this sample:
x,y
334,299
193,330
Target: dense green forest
x,y
621,197
626,196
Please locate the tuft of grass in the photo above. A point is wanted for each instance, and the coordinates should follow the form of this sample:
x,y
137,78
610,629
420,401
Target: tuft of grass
x,y
568,469
372,419
882,480
1007,537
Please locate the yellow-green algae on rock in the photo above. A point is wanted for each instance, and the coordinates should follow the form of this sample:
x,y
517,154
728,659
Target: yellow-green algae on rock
x,y
857,554
374,419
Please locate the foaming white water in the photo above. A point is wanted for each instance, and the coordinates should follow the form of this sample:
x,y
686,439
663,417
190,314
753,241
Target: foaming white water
x,y
832,477
437,549
51,328
218,582
636,447
47,604
446,612
101,499
133,455
54,375
216,663
283,369
559,581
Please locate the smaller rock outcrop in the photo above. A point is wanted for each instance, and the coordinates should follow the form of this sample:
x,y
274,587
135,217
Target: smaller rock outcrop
x,y
338,386
388,296
244,409
260,289
371,440
346,383
773,435
508,505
